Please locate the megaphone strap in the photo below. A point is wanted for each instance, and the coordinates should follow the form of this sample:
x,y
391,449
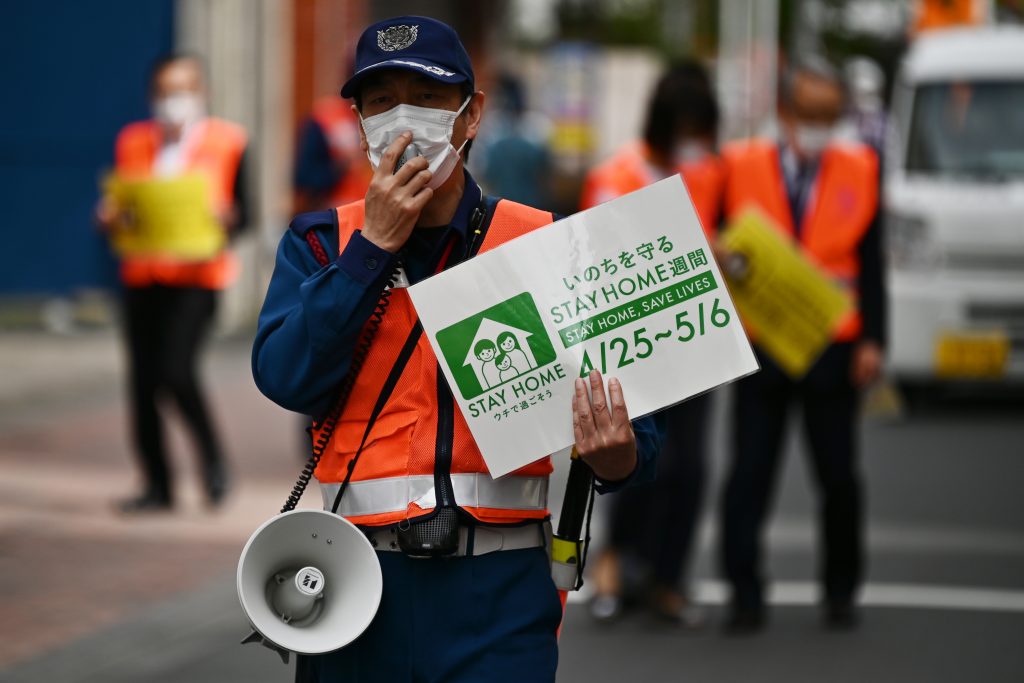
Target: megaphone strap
x,y
330,421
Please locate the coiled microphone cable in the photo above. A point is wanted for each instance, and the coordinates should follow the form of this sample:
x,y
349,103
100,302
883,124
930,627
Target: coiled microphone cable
x,y
329,423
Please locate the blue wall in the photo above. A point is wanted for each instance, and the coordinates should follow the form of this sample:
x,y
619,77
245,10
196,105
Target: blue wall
x,y
72,73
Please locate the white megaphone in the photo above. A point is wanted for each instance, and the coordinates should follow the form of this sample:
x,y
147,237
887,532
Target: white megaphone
x,y
309,581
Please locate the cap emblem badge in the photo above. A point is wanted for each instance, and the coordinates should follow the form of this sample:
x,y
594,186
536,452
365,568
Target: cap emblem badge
x,y
397,37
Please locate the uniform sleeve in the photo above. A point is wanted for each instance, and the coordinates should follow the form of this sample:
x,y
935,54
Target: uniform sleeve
x,y
648,444
242,197
312,318
871,283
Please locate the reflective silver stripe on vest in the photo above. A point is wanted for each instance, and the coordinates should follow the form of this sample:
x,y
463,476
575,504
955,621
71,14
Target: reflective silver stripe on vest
x,y
393,494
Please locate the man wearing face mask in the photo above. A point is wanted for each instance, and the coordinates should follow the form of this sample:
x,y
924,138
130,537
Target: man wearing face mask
x,y
656,523
468,594
169,302
823,193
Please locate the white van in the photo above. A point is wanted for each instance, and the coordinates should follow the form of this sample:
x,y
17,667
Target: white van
x,y
954,201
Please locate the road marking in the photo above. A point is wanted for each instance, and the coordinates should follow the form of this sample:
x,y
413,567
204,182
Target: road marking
x,y
912,596
792,534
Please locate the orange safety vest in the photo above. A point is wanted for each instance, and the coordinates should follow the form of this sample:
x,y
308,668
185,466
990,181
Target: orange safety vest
x,y
939,14
837,216
341,130
214,149
628,170
394,477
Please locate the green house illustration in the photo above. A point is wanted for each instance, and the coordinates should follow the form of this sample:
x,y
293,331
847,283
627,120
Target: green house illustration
x,y
496,345
499,352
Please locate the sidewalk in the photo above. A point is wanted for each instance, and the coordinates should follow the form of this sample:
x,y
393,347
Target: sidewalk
x,y
40,370
71,565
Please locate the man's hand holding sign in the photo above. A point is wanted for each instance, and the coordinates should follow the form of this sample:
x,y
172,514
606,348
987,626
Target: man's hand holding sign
x,y
604,435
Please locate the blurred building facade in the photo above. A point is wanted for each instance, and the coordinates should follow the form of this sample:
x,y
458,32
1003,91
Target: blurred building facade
x,y
587,67
89,78
268,61
73,77
248,48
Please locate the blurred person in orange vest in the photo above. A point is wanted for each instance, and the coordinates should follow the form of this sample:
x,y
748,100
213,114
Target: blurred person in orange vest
x,y
656,523
823,193
330,167
169,303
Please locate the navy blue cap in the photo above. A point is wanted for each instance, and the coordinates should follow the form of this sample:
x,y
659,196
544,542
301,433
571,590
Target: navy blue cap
x,y
419,44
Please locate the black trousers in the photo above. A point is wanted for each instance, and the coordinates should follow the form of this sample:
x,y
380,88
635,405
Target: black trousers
x,y
658,521
829,403
165,327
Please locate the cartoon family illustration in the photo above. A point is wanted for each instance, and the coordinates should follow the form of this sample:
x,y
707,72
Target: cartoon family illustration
x,y
499,353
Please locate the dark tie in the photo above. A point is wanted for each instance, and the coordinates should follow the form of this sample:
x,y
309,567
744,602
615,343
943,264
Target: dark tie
x,y
798,191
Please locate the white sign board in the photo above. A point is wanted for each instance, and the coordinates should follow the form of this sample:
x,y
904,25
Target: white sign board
x,y
629,288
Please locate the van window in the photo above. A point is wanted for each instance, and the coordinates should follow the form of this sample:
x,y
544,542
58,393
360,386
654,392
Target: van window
x,y
968,129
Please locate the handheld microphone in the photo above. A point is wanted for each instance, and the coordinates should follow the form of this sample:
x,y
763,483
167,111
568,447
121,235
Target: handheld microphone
x,y
410,152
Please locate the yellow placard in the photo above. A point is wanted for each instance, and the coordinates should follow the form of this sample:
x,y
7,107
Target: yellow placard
x,y
787,303
170,217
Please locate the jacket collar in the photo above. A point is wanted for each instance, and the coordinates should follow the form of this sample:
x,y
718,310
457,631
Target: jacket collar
x,y
471,198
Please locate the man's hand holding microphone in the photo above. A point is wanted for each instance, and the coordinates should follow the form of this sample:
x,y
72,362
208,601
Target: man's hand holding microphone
x,y
395,199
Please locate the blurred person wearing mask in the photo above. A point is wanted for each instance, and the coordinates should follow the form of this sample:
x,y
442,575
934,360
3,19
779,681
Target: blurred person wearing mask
x,y
679,137
169,303
822,193
483,606
330,167
657,522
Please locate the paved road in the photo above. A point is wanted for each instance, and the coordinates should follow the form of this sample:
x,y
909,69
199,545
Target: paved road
x,y
945,598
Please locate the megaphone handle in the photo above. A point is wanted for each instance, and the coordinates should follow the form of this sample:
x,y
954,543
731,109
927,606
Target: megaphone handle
x,y
577,511
577,495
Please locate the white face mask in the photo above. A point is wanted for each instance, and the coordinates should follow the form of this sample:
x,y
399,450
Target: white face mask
x,y
811,140
689,151
431,134
179,109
